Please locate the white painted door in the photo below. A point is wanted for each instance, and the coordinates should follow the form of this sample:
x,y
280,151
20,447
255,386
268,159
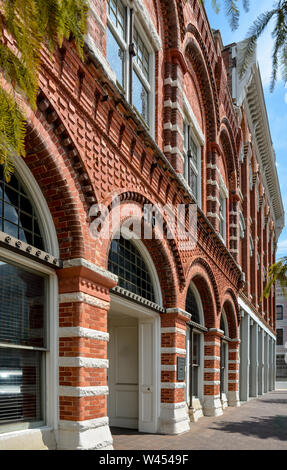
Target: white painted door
x,y
146,377
123,376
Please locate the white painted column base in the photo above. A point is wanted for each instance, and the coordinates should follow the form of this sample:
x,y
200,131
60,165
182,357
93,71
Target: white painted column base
x,y
212,406
91,434
233,399
174,418
196,412
224,401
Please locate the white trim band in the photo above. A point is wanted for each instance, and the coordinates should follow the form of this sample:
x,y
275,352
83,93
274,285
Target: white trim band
x,y
65,391
81,297
173,351
172,385
88,362
81,332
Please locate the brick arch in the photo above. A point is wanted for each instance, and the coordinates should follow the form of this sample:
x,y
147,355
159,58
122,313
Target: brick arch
x,y
47,164
163,253
231,308
202,277
228,146
197,56
172,16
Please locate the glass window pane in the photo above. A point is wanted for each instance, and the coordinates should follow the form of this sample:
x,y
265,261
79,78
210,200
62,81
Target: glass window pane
x,y
142,55
131,269
117,14
22,306
115,57
191,306
193,181
140,98
20,386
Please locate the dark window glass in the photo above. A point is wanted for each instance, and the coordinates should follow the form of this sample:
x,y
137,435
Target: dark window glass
x,y
195,363
126,261
279,337
191,306
22,307
279,312
20,383
17,215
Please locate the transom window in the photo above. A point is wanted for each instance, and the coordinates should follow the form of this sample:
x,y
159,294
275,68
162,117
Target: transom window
x,y
130,57
192,161
279,312
242,225
17,214
251,247
127,263
191,306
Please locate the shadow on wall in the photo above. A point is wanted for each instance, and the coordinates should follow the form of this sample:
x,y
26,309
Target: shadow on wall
x,y
274,427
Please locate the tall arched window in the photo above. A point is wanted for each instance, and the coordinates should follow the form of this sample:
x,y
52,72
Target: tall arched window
x,y
191,306
127,263
18,215
24,316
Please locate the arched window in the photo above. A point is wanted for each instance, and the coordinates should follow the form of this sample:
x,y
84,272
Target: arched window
x,y
127,263
25,312
191,306
18,216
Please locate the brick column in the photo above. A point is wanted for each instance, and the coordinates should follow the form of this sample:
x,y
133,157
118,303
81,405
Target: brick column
x,y
83,305
174,418
212,404
233,373
233,227
212,186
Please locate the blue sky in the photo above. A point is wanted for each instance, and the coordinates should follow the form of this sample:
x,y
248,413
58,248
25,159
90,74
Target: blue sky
x,y
276,102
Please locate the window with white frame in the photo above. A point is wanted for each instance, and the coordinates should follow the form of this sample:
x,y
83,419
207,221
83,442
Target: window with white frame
x,y
242,225
251,246
264,274
192,160
130,55
222,214
279,312
250,176
258,261
23,314
258,199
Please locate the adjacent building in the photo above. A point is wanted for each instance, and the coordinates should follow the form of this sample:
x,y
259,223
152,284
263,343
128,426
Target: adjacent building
x,y
155,132
281,332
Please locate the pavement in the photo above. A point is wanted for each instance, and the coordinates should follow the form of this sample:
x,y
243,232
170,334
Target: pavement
x,y
259,424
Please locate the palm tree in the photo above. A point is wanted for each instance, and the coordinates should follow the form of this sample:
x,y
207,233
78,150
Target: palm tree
x,y
28,25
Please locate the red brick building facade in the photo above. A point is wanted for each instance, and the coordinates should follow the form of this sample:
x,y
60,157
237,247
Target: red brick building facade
x,y
151,119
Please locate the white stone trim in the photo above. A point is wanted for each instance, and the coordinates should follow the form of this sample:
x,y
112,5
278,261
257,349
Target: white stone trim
x,y
191,117
212,358
83,425
173,406
173,330
80,332
76,297
89,362
91,266
89,41
211,370
67,391
173,128
211,214
147,23
248,310
172,351
179,310
172,385
168,368
213,382
212,343
233,381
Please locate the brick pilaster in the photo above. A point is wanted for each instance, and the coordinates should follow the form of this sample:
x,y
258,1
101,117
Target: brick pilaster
x,y
233,373
212,403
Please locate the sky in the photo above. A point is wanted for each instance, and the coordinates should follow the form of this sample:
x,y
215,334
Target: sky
x,y
276,102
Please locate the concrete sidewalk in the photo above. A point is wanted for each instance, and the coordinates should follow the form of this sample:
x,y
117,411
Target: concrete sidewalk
x,y
260,424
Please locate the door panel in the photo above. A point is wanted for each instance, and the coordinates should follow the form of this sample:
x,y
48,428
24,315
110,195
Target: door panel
x,y
146,377
123,376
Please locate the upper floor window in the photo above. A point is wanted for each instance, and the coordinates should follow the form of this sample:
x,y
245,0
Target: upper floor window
x,y
130,55
242,225
251,247
279,332
192,161
279,312
258,199
222,215
258,261
250,176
